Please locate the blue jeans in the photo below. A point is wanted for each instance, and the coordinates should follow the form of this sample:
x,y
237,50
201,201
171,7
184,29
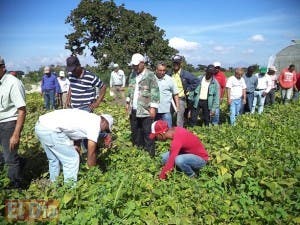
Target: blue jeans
x,y
59,148
296,95
260,100
187,163
216,118
49,99
166,117
235,108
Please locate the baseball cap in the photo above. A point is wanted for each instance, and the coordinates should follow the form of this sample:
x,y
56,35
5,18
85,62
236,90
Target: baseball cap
x,y
177,59
115,65
136,59
62,73
158,127
217,64
263,69
273,68
47,69
72,63
109,119
2,61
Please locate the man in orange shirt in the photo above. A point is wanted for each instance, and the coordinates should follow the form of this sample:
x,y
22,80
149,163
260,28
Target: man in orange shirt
x,y
287,81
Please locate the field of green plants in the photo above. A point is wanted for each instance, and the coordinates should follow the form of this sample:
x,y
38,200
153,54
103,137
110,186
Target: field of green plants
x,y
252,176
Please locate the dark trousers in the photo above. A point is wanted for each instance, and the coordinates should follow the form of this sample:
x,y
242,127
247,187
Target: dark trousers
x,y
202,104
11,157
140,130
270,98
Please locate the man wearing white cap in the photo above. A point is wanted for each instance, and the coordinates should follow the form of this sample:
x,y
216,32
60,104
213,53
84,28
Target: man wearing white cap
x,y
270,98
64,84
142,102
50,88
59,131
117,83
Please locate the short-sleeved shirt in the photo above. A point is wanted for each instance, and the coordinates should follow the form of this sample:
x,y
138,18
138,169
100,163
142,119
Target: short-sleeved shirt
x,y
178,83
12,97
75,123
83,90
167,89
236,87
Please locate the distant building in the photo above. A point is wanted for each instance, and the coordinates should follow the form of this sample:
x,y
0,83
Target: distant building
x,y
287,56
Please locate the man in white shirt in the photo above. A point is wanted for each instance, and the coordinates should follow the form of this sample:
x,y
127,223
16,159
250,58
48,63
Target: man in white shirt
x,y
264,84
117,84
64,84
168,91
59,131
12,117
236,93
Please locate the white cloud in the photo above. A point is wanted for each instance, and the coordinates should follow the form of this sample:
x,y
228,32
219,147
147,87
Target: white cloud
x,y
183,45
221,49
248,51
257,38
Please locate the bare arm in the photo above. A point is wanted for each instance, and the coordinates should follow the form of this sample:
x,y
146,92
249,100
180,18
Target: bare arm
x,y
228,96
176,99
15,138
91,156
100,97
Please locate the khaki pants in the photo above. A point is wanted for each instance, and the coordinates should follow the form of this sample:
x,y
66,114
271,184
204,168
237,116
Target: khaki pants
x,y
118,93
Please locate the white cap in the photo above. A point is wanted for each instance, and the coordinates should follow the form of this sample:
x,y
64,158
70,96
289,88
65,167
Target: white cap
x,y
217,64
62,73
115,65
136,59
273,68
109,119
47,69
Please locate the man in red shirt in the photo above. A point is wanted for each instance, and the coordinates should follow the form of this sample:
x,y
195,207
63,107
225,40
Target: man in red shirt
x,y
287,81
186,151
221,78
297,88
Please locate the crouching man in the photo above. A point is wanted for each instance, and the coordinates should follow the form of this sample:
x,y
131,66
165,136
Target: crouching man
x,y
59,131
186,150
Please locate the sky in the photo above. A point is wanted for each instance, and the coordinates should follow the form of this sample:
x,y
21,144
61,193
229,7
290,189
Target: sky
x,y
233,32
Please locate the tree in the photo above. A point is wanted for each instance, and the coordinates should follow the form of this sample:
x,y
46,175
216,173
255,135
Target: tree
x,y
113,33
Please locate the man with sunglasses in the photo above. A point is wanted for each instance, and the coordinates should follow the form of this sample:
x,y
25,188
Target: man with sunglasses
x,y
59,131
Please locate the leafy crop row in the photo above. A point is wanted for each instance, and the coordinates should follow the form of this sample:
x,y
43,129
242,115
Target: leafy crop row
x,y
251,178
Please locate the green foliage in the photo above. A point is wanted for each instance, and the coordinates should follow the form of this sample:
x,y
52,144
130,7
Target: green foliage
x,y
112,33
252,176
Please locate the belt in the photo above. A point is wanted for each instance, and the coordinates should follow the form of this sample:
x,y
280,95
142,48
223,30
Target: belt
x,y
259,89
64,92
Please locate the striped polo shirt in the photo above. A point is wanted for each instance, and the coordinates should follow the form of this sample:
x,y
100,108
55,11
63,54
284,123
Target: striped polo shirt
x,y
83,90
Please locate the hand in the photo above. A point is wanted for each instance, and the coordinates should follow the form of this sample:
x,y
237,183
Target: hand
x,y
77,148
127,108
263,94
212,113
229,101
108,141
244,101
13,142
93,105
152,112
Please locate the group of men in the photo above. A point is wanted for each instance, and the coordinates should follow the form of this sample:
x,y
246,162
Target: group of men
x,y
54,89
149,100
247,91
